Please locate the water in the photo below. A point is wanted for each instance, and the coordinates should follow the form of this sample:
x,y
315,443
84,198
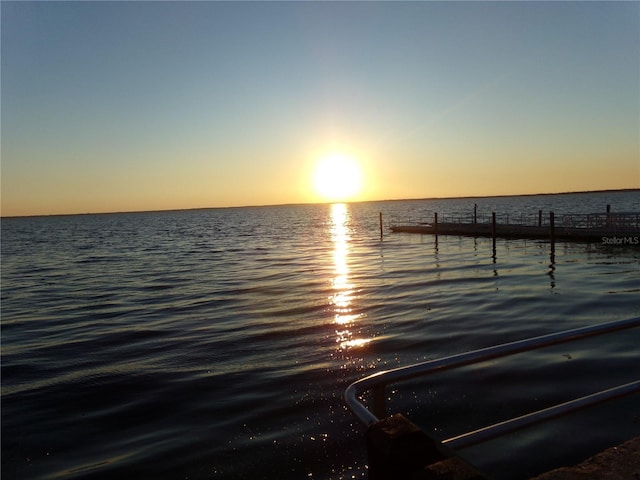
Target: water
x,y
218,343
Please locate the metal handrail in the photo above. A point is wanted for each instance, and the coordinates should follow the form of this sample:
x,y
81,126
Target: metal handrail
x,y
378,381
487,433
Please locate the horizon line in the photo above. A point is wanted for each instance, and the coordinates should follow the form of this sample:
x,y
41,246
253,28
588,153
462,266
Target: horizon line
x,y
457,197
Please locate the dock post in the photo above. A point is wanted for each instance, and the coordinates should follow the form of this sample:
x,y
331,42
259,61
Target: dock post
x,y
493,232
539,218
475,213
608,216
493,226
552,227
379,401
552,265
397,448
380,225
435,224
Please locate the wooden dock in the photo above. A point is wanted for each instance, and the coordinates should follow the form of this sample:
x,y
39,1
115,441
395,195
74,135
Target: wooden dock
x,y
608,228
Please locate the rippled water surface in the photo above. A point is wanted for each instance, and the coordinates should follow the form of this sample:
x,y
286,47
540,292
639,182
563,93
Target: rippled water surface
x,y
218,343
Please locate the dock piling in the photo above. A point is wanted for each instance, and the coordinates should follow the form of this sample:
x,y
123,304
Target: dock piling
x,y
397,448
493,226
493,233
380,225
552,227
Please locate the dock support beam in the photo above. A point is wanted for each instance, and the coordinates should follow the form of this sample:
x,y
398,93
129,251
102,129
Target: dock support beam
x,y
552,227
380,225
435,224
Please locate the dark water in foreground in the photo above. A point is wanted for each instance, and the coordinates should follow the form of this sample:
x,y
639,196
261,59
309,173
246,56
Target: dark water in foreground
x,y
218,343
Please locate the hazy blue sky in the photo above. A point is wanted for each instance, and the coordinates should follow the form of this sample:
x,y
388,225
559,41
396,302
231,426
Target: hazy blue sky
x,y
133,106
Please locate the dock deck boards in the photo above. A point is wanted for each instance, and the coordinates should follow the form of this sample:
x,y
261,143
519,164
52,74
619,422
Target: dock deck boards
x,y
632,235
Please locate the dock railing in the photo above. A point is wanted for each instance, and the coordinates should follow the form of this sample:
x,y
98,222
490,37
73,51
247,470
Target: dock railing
x,y
522,219
604,227
378,382
615,221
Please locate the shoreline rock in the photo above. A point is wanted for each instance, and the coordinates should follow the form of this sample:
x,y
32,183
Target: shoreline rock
x,y
616,463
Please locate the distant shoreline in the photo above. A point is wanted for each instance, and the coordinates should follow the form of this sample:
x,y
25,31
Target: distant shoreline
x,y
326,203
507,195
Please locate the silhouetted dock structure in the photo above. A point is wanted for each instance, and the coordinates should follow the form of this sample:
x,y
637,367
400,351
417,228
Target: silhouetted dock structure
x,y
608,227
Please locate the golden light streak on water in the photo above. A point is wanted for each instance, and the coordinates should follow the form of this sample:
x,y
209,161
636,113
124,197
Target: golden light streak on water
x,y
343,289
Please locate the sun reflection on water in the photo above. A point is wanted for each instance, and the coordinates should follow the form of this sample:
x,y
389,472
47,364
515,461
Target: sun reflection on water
x,y
343,290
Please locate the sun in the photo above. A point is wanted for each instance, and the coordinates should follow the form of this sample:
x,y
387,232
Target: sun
x,y
337,177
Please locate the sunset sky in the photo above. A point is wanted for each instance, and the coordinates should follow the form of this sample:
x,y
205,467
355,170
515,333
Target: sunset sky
x,y
122,106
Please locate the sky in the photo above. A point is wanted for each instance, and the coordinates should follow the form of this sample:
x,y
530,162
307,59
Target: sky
x,y
127,106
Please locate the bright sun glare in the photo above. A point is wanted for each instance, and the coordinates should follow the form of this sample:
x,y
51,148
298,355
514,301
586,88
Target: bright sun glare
x,y
337,177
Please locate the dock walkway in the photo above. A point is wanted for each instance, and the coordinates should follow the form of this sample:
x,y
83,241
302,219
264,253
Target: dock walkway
x,y
613,228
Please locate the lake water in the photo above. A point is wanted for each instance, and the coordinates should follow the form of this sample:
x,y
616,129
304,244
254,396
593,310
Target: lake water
x,y
218,343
